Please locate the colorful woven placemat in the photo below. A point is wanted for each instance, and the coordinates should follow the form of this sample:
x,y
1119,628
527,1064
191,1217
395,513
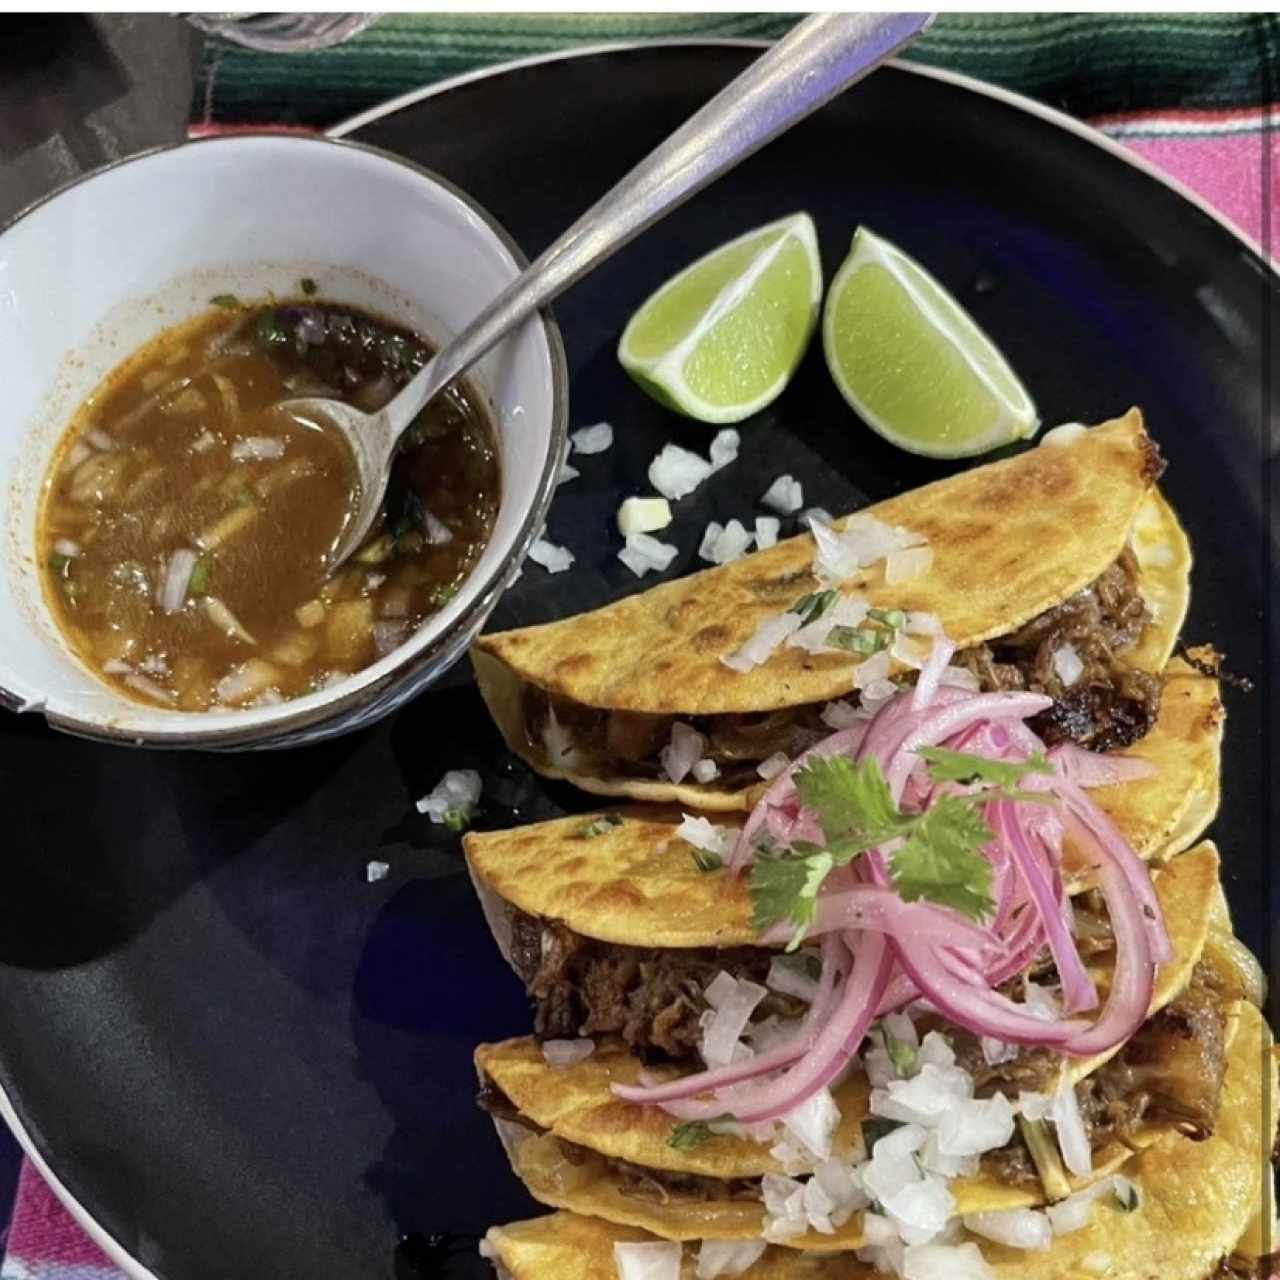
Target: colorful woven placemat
x,y
1193,94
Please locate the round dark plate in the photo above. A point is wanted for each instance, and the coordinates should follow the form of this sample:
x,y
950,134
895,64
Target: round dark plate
x,y
239,1058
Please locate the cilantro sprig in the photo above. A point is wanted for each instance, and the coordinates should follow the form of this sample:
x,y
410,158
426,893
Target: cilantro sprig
x,y
939,855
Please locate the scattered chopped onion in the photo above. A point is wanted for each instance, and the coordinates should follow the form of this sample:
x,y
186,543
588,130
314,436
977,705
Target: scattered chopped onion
x,y
643,515
643,553
959,678
730,543
1067,434
1073,1138
774,765
558,740
457,792
375,871
840,715
724,448
114,667
594,439
676,472
656,1260
705,771
902,566
767,528
99,439
77,454
683,751
257,449
732,1007
225,620
1067,664
65,547
567,1053
567,473
813,1123
786,974
702,833
760,648
1076,1211
437,533
785,495
552,558
1014,1228
727,1257
143,685
871,670
388,636
177,574
817,513
945,1262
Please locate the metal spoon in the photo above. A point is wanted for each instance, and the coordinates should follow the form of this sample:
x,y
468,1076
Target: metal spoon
x,y
821,56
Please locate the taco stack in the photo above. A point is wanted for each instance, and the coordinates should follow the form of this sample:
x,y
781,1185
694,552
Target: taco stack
x,y
939,982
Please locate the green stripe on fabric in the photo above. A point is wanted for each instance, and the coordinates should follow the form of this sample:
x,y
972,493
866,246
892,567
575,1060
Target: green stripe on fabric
x,y
1088,64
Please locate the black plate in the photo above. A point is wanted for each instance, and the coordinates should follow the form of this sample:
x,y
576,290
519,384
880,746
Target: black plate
x,y
246,1062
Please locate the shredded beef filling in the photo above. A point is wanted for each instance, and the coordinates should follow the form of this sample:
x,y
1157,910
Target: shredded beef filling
x,y
1105,707
650,996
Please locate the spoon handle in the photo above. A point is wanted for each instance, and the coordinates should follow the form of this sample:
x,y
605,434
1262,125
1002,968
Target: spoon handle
x,y
815,61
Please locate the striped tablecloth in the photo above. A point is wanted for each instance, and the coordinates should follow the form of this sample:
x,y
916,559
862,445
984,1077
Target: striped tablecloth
x,y
1195,95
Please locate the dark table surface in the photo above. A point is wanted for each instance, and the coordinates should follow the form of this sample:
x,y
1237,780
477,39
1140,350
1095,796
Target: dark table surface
x,y
76,93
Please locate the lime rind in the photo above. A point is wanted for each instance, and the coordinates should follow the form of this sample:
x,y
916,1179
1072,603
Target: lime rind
x,y
664,376
1016,416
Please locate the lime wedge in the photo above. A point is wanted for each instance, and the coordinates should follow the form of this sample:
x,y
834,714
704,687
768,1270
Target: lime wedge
x,y
912,363
721,340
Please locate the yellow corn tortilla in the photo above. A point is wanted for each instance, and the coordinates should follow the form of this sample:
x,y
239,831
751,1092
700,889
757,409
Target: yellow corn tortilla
x,y
637,883
1010,540
575,1103
1198,1200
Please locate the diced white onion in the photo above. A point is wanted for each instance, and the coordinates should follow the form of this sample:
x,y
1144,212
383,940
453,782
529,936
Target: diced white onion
x,y
1077,1211
652,1260
1015,1228
1096,1263
558,741
840,715
727,1257
676,472
774,765
552,558
724,448
871,669
565,1053
784,495
1068,433
1073,1139
65,547
813,1123
945,1262
733,1007
388,636
643,553
77,454
225,620
994,1051
149,687
767,528
817,513
437,533
902,566
375,871
643,515
731,543
960,678
114,667
705,771
177,574
257,449
910,651
683,751
769,634
594,439
99,439
567,473
786,974
704,834
1067,664
710,537
458,790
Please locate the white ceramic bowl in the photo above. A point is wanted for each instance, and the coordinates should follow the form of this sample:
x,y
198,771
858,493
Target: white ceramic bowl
x,y
97,269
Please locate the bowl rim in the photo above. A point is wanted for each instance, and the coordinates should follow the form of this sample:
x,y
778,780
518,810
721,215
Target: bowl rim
x,y
454,637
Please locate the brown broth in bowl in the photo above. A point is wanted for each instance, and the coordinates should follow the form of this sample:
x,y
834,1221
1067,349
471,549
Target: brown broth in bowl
x,y
187,520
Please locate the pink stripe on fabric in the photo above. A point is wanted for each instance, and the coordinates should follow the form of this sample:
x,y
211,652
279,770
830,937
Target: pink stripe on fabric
x,y
1227,172
43,1231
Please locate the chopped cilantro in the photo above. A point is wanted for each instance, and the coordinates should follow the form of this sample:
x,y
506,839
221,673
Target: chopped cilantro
x,y
687,1135
941,860
198,583
598,825
787,889
901,1054
961,766
270,331
228,300
706,860
894,619
863,641
308,285
58,562
457,819
811,607
853,803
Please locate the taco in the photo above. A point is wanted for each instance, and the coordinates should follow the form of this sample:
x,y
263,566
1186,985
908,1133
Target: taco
x,y
579,1146
1179,1210
1061,570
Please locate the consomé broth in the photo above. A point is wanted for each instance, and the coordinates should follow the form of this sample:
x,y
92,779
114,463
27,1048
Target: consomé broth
x,y
187,519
